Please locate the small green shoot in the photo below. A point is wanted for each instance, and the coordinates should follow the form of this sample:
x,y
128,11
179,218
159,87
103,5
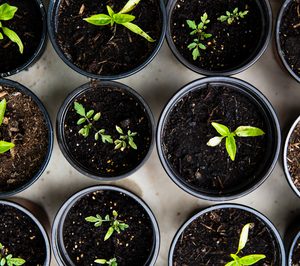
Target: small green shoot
x,y
4,145
242,131
121,143
115,224
7,259
230,17
111,262
121,18
248,259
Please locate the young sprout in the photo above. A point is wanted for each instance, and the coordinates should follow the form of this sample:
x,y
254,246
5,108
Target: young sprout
x,y
7,12
8,259
235,15
115,224
242,131
198,30
248,259
121,142
4,145
111,262
121,18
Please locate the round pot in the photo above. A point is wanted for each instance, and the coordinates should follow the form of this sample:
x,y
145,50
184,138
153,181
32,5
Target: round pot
x,y
39,49
286,4
61,136
37,225
262,45
292,244
58,227
225,208
26,91
53,26
273,138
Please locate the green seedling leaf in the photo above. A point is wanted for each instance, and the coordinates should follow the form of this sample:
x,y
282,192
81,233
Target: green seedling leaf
x,y
120,130
248,131
99,20
1,35
90,113
106,138
81,121
100,261
79,108
215,141
123,18
244,237
202,46
129,6
97,116
232,16
7,11
14,38
221,129
251,259
137,30
132,144
110,11
15,261
192,45
5,146
196,53
231,146
109,233
192,24
2,110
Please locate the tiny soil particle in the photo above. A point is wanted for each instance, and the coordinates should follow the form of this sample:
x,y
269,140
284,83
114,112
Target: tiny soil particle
x,y
212,237
23,125
289,35
84,242
188,129
21,236
106,50
230,45
296,254
27,23
117,107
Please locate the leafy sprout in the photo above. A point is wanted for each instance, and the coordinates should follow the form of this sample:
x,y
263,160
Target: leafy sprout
x,y
7,12
121,18
248,259
7,259
242,131
230,17
111,262
198,30
115,224
121,143
4,145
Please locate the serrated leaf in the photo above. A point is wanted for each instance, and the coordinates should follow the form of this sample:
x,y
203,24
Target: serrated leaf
x,y
251,259
192,24
129,6
79,108
221,129
248,131
99,19
16,261
231,147
7,11
2,110
106,138
14,38
196,53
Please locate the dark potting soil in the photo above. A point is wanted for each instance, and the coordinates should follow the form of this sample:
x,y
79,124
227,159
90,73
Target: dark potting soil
x,y
211,238
27,23
296,254
188,129
290,35
84,242
117,107
21,237
106,50
230,45
24,125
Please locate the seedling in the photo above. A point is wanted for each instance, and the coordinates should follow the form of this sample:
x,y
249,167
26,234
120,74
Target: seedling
x,y
230,17
4,145
8,259
121,143
115,224
111,262
242,131
7,12
248,259
121,18
198,30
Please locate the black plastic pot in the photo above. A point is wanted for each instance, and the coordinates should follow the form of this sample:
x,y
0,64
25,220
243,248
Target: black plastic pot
x,y
265,220
291,238
261,47
267,112
40,49
52,27
59,249
42,168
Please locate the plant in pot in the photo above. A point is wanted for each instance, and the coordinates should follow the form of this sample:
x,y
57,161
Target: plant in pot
x,y
218,37
105,225
23,34
107,39
26,138
288,36
218,138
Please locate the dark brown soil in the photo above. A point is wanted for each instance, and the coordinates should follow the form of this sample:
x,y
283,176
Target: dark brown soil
x,y
106,50
296,254
21,236
117,107
27,23
231,45
290,35
210,239
24,125
188,129
84,242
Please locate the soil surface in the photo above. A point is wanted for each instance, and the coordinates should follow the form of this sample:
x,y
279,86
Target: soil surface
x,y
188,129
84,242
21,237
27,23
106,50
117,107
230,45
211,238
24,125
290,35
296,254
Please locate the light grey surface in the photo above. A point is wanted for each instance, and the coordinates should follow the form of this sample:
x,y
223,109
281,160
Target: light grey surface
x,y
51,80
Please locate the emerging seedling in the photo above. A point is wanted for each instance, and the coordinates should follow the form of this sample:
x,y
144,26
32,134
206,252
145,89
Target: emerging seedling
x,y
111,262
4,145
242,131
7,12
121,18
115,224
235,15
121,142
248,259
198,30
8,259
